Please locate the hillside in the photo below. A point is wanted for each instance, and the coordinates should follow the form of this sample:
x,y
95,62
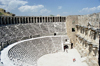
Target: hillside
x,y
3,12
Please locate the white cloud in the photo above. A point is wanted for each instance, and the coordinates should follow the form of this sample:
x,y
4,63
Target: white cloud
x,y
11,4
59,7
22,6
27,8
34,8
98,7
44,11
90,9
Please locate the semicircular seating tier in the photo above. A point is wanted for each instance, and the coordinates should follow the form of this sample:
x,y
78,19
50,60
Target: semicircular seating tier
x,y
28,52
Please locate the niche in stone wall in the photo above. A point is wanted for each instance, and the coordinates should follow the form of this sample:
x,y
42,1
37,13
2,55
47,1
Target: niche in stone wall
x,y
54,34
73,29
66,47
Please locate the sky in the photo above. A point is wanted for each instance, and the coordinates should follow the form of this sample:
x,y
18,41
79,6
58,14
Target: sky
x,y
50,7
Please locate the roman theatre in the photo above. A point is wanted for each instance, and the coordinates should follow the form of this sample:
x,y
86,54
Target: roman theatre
x,y
50,40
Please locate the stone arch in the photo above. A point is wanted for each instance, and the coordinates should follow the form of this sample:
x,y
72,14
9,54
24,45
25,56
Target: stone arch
x,y
38,19
12,20
3,20
53,19
54,34
66,47
45,19
35,19
18,20
29,19
26,19
60,18
15,20
32,19
6,20
23,19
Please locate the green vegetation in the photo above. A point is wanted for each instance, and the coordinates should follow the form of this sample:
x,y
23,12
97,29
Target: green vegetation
x,y
3,12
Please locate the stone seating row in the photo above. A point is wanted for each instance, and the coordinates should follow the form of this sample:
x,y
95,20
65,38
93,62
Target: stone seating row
x,y
30,51
13,33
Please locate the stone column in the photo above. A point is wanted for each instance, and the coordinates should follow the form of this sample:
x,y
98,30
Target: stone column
x,y
22,20
44,19
47,18
1,46
27,19
36,19
95,49
0,20
61,19
30,19
58,19
33,19
84,41
4,21
50,19
17,20
55,19
14,20
8,20
90,48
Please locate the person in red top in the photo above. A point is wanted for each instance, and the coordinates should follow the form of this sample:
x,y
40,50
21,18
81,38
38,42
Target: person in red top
x,y
74,60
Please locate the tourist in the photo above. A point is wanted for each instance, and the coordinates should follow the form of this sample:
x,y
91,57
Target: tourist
x,y
74,60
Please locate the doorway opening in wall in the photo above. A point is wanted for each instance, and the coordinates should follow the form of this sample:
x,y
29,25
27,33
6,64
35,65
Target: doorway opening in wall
x,y
73,29
54,34
71,45
66,40
65,47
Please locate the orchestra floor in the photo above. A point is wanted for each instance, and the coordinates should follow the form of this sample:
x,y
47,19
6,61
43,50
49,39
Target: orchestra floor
x,y
62,59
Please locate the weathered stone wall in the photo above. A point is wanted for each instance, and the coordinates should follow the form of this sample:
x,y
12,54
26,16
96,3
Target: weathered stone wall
x,y
93,19
87,37
5,20
70,23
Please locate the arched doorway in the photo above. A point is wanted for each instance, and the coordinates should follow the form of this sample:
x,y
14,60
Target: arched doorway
x,y
71,45
66,47
54,34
